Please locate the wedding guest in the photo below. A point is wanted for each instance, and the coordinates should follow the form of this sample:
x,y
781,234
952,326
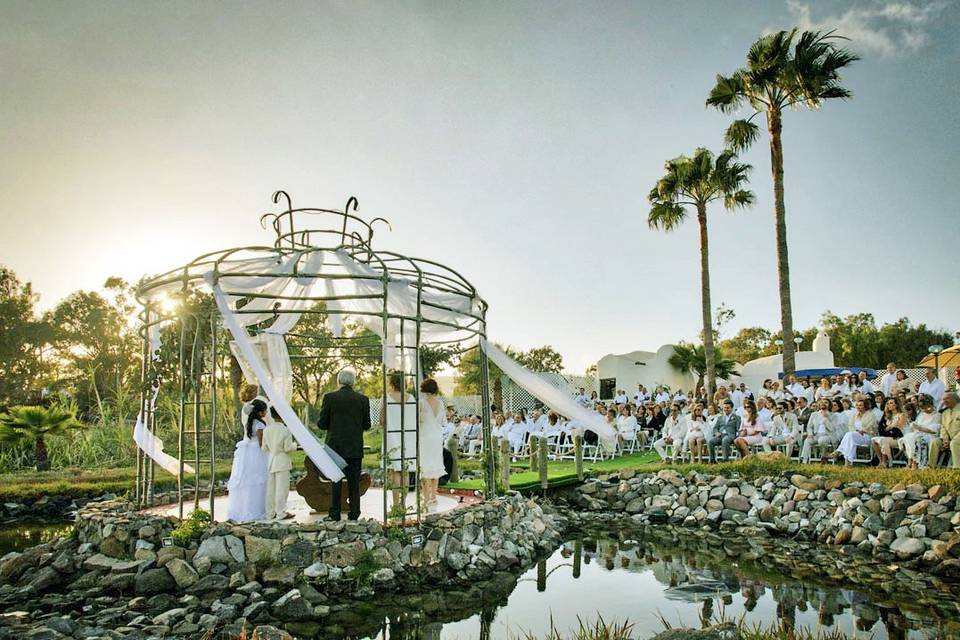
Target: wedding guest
x,y
820,432
888,379
277,444
725,431
780,432
860,432
902,383
932,387
864,385
401,453
248,476
695,438
674,432
949,431
627,426
824,391
924,428
889,431
751,430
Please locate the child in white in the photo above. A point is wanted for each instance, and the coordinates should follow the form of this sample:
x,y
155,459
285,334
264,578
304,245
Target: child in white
x,y
277,444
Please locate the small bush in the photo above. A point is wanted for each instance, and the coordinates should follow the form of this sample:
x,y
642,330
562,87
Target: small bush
x,y
191,528
366,565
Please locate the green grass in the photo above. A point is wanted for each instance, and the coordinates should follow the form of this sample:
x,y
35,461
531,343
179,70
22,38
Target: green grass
x,y
558,472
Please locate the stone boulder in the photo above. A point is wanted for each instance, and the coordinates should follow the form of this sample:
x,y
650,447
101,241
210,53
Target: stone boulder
x,y
225,549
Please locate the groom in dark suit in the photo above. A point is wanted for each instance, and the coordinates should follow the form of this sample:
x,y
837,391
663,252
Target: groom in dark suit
x,y
345,415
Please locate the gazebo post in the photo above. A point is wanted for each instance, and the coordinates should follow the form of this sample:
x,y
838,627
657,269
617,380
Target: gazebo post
x,y
489,476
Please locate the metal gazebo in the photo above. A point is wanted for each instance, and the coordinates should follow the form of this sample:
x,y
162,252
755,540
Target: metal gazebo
x,y
329,256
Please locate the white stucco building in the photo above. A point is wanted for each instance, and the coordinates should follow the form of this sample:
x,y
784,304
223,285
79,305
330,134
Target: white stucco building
x,y
756,371
627,370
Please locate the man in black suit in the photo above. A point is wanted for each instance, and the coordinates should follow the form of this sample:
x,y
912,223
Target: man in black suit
x,y
345,415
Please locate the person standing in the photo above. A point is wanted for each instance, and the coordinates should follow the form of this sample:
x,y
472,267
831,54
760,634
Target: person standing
x,y
933,387
248,476
277,444
431,444
345,415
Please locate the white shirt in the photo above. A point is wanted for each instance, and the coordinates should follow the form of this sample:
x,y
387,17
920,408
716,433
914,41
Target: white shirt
x,y
639,397
796,389
886,383
621,399
677,429
764,415
866,387
662,397
934,390
736,397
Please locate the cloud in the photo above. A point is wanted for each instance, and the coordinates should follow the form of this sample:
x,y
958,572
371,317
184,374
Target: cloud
x,y
890,28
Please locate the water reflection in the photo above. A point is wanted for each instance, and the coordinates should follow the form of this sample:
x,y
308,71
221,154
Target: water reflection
x,y
18,536
639,574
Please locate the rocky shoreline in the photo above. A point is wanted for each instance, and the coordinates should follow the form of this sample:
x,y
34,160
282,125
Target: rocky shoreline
x,y
129,574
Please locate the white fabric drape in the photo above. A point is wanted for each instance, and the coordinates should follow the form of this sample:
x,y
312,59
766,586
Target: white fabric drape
x,y
152,446
311,445
550,395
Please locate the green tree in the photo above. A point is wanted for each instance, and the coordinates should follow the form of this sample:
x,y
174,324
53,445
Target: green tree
x,y
696,182
24,339
26,425
783,70
544,358
688,358
433,358
748,344
95,339
469,381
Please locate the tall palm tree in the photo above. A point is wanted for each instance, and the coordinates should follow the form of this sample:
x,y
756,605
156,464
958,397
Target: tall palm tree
x,y
783,70
32,425
695,182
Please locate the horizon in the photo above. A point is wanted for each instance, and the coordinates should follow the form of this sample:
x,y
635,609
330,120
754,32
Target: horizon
x,y
515,145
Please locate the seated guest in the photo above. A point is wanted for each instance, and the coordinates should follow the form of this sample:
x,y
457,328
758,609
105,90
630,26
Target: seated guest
x,y
804,411
821,432
674,432
932,387
902,383
751,430
775,394
949,431
780,432
864,385
860,432
627,426
725,431
824,391
621,397
764,412
889,431
695,438
921,432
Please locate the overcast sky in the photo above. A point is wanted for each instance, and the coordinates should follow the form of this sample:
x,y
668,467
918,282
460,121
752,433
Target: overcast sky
x,y
515,142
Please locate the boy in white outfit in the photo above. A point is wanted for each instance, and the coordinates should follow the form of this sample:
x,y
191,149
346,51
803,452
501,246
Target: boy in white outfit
x,y
277,444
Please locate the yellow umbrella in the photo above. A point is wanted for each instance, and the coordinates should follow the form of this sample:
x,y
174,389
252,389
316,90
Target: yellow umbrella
x,y
949,357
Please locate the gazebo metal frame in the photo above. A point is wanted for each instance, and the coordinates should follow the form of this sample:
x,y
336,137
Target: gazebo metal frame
x,y
297,231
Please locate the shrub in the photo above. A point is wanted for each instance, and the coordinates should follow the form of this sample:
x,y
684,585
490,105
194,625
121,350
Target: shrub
x,y
191,528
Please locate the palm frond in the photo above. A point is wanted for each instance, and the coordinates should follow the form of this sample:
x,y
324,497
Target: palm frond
x,y
727,94
666,216
738,200
741,134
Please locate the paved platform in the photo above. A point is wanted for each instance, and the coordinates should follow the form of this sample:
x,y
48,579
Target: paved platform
x,y
371,506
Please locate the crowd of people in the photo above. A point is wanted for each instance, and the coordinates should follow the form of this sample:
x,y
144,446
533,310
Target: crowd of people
x,y
845,417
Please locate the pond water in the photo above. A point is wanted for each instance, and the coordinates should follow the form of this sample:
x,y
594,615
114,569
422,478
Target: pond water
x,y
16,536
641,574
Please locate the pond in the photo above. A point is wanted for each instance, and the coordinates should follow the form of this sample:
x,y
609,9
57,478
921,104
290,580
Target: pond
x,y
640,574
16,536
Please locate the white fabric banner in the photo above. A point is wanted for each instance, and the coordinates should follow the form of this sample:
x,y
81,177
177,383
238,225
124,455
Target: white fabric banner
x,y
550,395
151,445
311,445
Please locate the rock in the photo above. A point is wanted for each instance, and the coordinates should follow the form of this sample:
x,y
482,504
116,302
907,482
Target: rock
x,y
317,570
382,576
183,573
154,581
100,562
280,574
43,579
146,532
63,625
266,632
262,549
165,554
299,554
168,617
292,606
907,547
211,583
737,503
225,549
722,631
936,492
344,555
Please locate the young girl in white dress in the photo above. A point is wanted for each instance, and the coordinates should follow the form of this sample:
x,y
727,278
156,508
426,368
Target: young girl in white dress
x,y
248,477
432,414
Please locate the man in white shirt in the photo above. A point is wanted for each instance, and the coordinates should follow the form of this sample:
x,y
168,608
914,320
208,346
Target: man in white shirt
x,y
886,382
866,387
663,396
674,433
679,396
640,396
736,397
933,387
621,397
582,398
764,414
793,387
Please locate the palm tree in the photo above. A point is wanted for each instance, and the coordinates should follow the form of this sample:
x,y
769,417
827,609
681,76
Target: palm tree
x,y
777,77
32,425
696,182
688,358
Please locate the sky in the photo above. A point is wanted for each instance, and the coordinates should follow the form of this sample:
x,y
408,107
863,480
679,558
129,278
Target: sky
x,y
514,142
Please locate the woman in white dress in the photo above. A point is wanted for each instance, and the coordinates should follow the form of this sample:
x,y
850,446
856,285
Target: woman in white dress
x,y
924,428
248,477
401,452
696,434
431,443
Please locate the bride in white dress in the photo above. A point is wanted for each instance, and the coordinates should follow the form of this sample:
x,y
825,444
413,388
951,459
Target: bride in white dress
x,y
248,477
432,413
400,460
